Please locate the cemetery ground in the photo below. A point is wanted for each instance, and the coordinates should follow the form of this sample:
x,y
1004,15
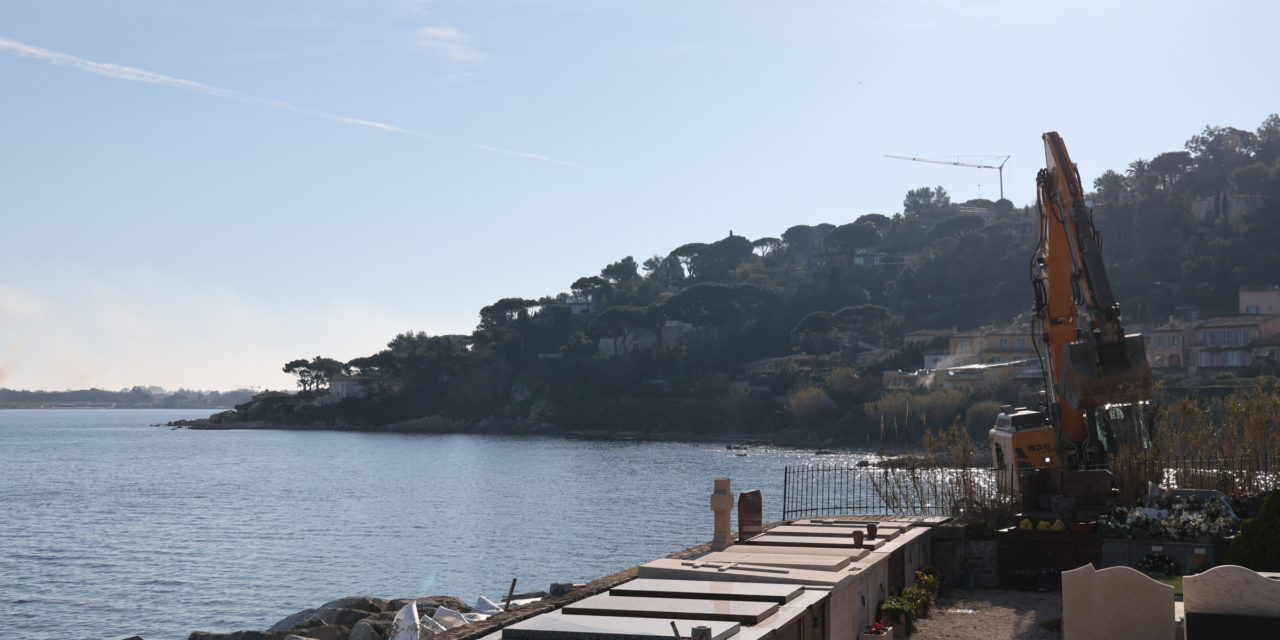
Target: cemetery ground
x,y
984,614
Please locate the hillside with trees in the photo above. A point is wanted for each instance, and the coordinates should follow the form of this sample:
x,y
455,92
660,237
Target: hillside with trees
x,y
679,343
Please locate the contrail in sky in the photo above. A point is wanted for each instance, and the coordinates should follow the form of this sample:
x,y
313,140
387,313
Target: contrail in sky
x,y
121,72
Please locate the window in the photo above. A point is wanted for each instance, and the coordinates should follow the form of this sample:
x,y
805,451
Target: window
x,y
963,346
1235,358
1159,340
1173,341
1204,359
1159,361
1003,343
1253,308
1021,342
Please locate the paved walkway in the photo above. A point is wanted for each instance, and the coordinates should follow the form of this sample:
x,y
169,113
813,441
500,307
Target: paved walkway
x,y
993,614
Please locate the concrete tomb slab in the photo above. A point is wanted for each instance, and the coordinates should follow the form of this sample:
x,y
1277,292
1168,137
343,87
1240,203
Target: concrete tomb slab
x,y
557,626
843,552
668,608
673,569
831,531
702,590
750,514
1117,602
840,542
790,560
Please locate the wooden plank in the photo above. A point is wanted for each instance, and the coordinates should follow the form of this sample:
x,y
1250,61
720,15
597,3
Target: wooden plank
x,y
672,608
743,591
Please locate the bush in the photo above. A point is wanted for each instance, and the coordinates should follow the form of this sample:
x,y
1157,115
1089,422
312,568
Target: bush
x,y
1257,546
807,404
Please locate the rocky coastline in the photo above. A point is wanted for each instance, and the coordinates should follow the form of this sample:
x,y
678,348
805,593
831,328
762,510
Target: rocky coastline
x,y
369,618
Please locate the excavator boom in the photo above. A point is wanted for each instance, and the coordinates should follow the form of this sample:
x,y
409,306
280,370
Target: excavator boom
x,y
1100,365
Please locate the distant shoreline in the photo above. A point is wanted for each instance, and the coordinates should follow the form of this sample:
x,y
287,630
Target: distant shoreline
x,y
443,426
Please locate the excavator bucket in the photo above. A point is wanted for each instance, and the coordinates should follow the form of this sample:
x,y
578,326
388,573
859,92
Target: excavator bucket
x,y
1100,374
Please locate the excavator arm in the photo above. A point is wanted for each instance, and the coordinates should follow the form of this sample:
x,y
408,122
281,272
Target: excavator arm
x,y
1090,362
1097,380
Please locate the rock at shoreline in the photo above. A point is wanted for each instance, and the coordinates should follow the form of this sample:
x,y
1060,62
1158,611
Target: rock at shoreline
x,y
349,618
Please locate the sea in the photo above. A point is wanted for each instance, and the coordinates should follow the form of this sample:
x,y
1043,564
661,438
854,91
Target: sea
x,y
112,525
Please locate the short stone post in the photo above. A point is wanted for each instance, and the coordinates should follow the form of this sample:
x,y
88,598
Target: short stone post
x,y
750,515
721,505
871,530
857,539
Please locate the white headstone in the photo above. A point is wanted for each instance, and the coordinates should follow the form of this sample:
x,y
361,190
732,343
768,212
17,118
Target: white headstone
x,y
1231,589
1117,602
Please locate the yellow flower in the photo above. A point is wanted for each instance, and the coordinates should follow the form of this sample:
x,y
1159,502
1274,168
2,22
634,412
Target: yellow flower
x,y
1025,524
1043,525
1059,525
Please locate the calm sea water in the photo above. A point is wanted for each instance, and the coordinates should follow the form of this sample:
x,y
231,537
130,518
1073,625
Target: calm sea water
x,y
111,526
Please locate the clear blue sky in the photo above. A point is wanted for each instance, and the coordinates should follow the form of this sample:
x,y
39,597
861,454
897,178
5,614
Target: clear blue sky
x,y
194,192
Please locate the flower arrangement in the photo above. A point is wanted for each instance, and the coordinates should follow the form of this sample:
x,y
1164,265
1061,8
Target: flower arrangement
x,y
1157,563
900,610
877,628
1170,518
928,579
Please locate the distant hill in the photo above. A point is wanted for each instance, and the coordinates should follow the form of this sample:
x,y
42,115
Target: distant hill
x,y
786,335
135,398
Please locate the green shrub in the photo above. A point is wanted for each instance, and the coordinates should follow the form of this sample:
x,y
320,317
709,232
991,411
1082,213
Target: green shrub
x,y
899,610
1257,546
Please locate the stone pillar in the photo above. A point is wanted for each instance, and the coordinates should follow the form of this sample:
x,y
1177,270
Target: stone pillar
x,y
721,505
750,515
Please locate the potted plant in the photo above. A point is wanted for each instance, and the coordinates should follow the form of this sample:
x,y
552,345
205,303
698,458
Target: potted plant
x,y
929,579
921,597
901,613
877,631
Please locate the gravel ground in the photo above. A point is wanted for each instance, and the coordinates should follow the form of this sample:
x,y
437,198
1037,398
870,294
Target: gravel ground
x,y
989,614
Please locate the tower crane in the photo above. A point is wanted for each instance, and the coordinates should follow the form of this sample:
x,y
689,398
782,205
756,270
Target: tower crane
x,y
957,163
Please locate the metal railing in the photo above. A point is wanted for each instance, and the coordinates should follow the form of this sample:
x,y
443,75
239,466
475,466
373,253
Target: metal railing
x,y
830,490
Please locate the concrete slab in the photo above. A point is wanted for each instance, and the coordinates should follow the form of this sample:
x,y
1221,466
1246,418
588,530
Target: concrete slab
x,y
696,589
783,619
790,560
831,531
668,608
841,542
557,626
852,554
672,569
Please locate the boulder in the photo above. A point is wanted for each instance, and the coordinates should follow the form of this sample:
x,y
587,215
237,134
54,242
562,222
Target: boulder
x,y
427,606
379,622
364,631
320,633
304,618
343,617
364,603
238,635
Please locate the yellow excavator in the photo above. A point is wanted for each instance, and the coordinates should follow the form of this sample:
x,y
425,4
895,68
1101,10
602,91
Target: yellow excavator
x,y
1097,380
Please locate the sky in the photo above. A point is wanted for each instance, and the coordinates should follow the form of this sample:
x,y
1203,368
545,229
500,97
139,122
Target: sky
x,y
193,192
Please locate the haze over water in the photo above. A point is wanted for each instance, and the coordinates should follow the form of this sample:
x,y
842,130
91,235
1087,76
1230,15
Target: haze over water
x,y
112,526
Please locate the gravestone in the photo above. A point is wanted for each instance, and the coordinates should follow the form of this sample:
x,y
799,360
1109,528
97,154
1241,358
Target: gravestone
x,y
1231,602
750,514
1117,602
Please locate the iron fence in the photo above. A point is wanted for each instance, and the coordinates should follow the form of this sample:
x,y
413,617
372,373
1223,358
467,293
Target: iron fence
x,y
830,490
